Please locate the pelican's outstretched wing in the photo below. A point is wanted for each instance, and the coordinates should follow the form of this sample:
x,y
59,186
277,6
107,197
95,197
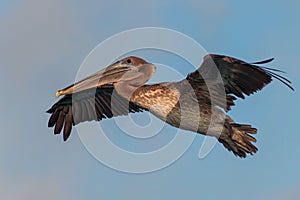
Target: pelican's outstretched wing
x,y
239,78
88,105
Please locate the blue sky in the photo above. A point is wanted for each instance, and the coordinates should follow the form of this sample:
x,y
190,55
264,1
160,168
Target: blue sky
x,y
42,46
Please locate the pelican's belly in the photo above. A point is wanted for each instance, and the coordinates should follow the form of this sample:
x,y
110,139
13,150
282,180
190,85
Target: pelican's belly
x,y
185,115
204,119
184,112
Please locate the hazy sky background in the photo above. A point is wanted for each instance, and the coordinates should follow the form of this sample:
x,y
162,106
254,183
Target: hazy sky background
x,y
43,43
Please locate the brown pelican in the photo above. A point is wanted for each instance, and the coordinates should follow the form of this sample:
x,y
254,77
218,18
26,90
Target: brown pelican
x,y
120,89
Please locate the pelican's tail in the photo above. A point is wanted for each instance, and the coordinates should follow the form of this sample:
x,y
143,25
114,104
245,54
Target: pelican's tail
x,y
237,139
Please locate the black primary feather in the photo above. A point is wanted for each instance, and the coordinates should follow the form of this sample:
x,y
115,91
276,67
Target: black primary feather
x,y
93,104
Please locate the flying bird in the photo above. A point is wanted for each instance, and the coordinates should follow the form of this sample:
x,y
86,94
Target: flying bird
x,y
205,95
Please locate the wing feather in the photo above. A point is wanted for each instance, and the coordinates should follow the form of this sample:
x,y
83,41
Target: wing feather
x,y
93,104
239,78
68,125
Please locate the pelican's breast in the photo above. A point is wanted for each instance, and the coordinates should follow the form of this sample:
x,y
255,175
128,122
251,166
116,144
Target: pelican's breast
x,y
158,99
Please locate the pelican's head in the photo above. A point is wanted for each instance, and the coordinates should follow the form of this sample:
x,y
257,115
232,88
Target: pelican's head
x,y
131,68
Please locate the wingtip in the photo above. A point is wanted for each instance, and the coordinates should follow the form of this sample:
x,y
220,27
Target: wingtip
x,y
264,61
66,136
291,87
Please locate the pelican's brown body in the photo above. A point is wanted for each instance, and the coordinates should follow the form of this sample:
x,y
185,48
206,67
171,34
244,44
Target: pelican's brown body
x,y
178,106
198,103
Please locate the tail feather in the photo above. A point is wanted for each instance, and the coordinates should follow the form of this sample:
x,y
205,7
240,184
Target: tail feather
x,y
238,140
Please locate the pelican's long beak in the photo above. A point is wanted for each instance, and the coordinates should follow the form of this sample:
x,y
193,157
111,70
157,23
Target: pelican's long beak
x,y
111,74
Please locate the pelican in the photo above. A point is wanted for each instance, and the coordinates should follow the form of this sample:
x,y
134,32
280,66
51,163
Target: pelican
x,y
190,104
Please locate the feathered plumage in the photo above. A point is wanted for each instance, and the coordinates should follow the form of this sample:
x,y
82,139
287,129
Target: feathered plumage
x,y
207,93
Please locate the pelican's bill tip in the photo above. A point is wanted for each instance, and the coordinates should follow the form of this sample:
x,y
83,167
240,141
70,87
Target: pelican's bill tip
x,y
58,93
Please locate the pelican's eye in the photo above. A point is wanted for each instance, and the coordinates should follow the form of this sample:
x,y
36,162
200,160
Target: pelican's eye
x,y
128,61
